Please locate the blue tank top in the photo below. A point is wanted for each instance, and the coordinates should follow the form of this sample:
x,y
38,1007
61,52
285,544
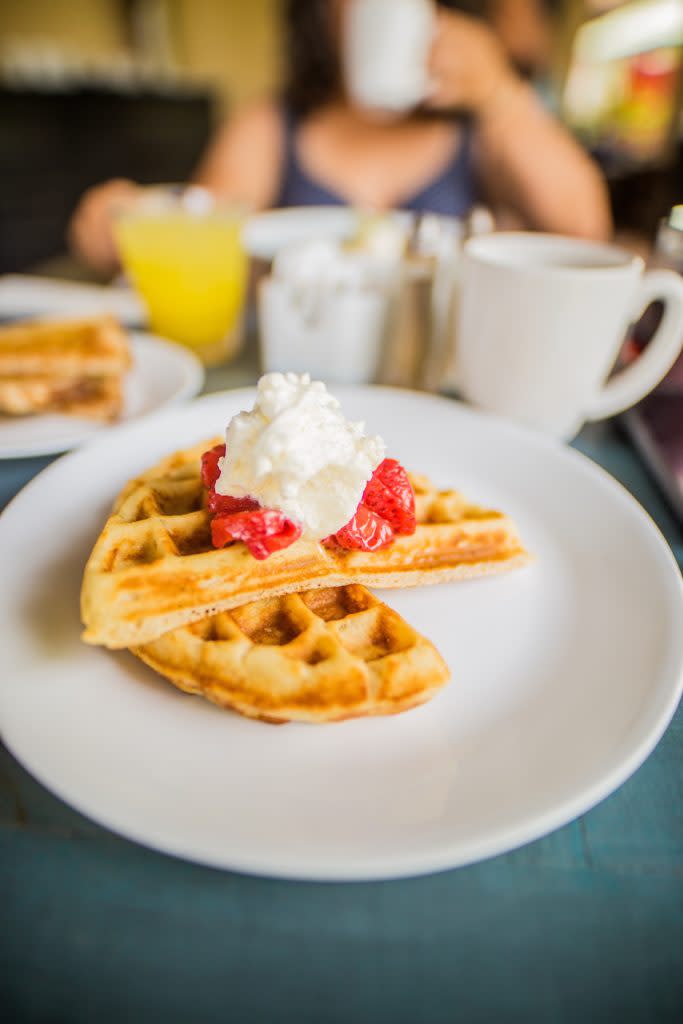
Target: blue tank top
x,y
451,193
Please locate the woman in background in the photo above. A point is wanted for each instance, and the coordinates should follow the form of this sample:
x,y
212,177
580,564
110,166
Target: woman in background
x,y
481,136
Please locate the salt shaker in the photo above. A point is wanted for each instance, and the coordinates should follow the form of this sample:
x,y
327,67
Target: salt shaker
x,y
420,345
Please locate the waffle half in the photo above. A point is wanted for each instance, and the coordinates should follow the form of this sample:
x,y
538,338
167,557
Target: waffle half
x,y
154,569
96,398
319,656
63,366
87,347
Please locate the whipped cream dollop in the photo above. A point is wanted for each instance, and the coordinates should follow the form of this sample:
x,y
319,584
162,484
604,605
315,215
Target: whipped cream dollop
x,y
295,451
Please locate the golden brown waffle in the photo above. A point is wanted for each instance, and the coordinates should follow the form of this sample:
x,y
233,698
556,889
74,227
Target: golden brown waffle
x,y
154,569
97,398
319,656
63,366
93,347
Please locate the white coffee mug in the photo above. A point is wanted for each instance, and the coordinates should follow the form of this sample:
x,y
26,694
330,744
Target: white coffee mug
x,y
541,323
385,49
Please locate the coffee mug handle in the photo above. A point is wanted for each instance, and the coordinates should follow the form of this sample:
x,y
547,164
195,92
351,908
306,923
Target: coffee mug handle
x,y
629,385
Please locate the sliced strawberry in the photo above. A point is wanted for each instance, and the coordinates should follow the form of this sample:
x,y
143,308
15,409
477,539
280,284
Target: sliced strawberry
x,y
390,495
393,475
221,504
210,470
226,505
366,531
263,531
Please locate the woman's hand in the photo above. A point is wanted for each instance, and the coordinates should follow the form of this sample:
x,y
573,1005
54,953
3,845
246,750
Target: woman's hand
x,y
90,231
564,191
467,64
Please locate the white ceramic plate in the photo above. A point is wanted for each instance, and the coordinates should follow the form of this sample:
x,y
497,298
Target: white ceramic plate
x,y
266,233
565,674
163,373
29,295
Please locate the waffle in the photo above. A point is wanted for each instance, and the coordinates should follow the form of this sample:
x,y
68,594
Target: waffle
x,y
97,398
92,347
319,656
154,569
67,366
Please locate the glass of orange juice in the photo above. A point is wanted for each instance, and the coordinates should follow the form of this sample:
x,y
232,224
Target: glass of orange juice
x,y
183,253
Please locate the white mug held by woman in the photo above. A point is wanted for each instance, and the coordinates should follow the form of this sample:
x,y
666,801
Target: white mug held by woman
x,y
542,321
386,47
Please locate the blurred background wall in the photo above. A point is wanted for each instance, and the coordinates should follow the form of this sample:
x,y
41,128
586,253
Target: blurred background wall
x,y
229,45
115,88
235,45
96,29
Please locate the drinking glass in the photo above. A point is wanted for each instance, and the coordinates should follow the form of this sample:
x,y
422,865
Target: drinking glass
x,y
183,252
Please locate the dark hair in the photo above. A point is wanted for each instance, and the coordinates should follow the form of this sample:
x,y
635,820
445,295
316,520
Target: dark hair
x,y
312,72
312,67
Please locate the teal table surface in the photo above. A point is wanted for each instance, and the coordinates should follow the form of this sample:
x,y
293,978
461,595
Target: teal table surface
x,y
585,924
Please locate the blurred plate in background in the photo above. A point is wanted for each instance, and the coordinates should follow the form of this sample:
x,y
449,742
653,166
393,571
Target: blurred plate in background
x,y
29,295
266,233
162,374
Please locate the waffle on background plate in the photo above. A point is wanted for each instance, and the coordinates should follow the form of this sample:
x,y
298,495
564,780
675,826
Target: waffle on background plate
x,y
295,636
71,366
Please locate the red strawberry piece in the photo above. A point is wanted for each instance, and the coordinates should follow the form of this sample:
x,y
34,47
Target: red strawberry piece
x,y
263,531
365,531
390,495
225,504
210,470
221,504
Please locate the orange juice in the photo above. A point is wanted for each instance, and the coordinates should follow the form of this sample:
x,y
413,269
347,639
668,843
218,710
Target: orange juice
x,y
191,272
